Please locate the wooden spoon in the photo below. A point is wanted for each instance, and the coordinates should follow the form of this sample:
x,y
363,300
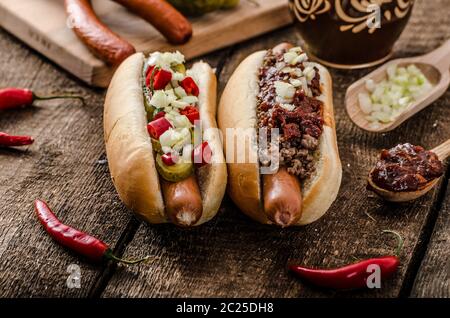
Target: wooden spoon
x,y
435,66
442,151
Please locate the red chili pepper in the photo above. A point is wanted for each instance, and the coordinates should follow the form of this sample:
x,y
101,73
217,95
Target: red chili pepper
x,y
159,115
191,112
82,243
189,86
11,98
161,79
169,159
14,141
157,127
351,276
201,155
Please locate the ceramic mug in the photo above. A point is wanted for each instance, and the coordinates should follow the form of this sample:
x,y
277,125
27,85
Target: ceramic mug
x,y
350,33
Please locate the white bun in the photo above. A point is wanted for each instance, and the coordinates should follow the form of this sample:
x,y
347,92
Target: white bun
x,y
129,148
238,109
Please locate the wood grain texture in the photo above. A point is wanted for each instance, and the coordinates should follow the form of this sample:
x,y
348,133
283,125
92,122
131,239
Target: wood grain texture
x,y
233,256
433,279
53,38
62,167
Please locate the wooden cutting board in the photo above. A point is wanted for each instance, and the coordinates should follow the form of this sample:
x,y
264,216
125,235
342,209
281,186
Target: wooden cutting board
x,y
42,24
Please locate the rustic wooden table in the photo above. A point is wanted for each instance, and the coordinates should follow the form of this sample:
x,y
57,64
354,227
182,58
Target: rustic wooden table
x,y
230,256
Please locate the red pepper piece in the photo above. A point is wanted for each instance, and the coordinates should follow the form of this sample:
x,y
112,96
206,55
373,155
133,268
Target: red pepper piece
x,y
189,86
202,154
169,159
148,75
157,127
11,98
161,79
191,113
77,241
159,115
7,140
348,277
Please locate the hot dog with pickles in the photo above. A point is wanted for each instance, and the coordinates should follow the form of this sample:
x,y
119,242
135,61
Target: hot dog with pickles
x,y
164,153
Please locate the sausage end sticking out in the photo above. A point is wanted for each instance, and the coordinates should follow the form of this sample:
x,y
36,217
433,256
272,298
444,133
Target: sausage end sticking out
x,y
183,201
282,198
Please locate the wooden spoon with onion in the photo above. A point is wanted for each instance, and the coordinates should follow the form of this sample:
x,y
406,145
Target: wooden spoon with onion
x,y
442,151
434,65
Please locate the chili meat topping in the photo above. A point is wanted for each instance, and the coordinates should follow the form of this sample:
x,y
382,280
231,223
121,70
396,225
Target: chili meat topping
x,y
406,168
288,88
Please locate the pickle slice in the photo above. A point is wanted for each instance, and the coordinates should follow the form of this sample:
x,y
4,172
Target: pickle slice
x,y
180,68
175,173
156,145
149,109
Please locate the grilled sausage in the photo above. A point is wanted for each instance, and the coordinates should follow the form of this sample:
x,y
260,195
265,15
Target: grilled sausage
x,y
163,16
103,43
183,201
282,197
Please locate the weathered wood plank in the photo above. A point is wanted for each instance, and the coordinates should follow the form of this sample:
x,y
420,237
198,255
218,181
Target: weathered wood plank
x,y
233,256
62,167
66,166
433,279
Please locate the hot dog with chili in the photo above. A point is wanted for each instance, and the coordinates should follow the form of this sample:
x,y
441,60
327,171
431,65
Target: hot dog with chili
x,y
103,42
279,90
159,167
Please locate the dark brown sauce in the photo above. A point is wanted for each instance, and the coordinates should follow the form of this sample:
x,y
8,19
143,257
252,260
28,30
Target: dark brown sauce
x,y
406,168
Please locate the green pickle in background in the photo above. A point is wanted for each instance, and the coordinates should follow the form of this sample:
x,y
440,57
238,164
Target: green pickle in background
x,y
199,7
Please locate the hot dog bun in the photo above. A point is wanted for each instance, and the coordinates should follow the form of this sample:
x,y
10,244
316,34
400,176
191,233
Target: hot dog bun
x,y
237,108
129,148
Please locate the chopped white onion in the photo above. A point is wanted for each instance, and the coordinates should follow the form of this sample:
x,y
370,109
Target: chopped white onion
x,y
288,107
389,98
365,103
190,99
289,57
284,90
180,92
159,99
